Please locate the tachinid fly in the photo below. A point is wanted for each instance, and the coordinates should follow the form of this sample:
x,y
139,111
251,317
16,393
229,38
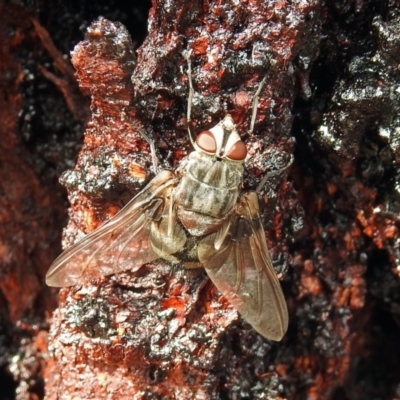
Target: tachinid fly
x,y
198,214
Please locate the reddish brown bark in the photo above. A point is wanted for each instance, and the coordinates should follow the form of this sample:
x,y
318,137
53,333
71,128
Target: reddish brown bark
x,y
331,99
169,335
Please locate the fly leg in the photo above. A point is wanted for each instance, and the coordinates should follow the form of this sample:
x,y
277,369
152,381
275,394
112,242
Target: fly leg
x,y
254,106
151,144
268,175
187,55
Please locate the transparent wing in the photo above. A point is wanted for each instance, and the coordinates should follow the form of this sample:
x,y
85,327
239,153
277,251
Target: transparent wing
x,y
120,244
242,270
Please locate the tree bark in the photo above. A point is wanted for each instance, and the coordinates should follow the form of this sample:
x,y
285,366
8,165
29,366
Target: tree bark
x,y
331,101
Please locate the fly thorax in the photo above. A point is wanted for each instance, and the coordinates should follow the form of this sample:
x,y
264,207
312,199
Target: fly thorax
x,y
207,192
217,173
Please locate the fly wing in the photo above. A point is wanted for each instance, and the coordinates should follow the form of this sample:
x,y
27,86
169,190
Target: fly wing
x,y
120,244
242,270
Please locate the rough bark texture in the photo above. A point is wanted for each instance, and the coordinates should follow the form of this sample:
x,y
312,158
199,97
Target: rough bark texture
x,y
332,219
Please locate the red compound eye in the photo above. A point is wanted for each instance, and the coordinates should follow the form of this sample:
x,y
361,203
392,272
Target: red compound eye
x,y
237,152
206,141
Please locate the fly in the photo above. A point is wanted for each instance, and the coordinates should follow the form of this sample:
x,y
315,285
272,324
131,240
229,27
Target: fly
x,y
196,215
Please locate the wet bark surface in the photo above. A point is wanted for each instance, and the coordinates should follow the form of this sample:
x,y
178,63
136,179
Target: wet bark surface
x,y
331,101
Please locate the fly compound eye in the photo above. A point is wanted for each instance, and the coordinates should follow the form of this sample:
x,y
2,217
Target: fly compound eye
x,y
206,141
237,152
